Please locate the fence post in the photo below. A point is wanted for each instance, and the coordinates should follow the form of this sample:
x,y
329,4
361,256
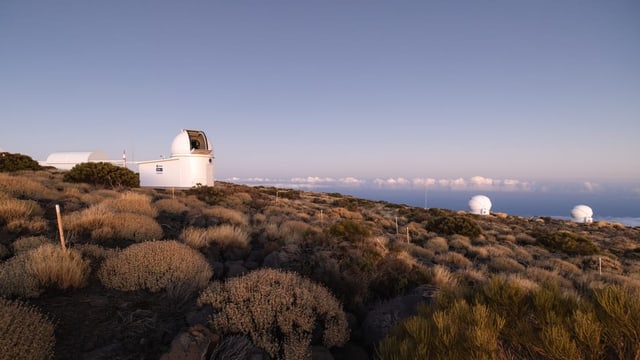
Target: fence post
x,y
62,244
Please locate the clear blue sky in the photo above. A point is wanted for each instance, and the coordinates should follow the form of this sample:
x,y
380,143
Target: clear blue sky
x,y
525,90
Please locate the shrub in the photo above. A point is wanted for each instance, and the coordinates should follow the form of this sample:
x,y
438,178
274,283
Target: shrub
x,y
437,244
568,242
279,311
133,203
14,209
173,206
24,332
349,230
25,187
223,236
103,224
64,268
101,173
208,194
456,224
29,273
15,162
618,309
29,242
227,215
155,266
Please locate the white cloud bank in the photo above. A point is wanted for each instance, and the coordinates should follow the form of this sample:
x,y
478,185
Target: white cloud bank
x,y
460,184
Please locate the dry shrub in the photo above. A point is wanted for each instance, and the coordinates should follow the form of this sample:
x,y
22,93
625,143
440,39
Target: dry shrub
x,y
517,280
525,239
343,213
195,237
223,235
154,266
14,209
63,268
293,230
505,264
499,251
478,252
510,238
472,277
131,202
522,254
95,251
437,244
173,206
543,275
103,224
27,243
443,278
36,225
24,332
23,186
226,215
454,259
460,242
17,280
28,273
619,311
279,311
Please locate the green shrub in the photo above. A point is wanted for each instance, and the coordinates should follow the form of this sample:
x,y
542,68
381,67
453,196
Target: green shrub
x,y
455,224
208,194
154,266
279,311
619,311
15,162
349,230
568,242
24,332
101,173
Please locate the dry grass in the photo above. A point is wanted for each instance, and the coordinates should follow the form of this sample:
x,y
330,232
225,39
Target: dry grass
x,y
25,334
133,203
14,210
460,242
279,311
444,278
437,245
454,259
173,206
226,215
27,243
103,224
24,186
505,264
222,235
53,266
155,266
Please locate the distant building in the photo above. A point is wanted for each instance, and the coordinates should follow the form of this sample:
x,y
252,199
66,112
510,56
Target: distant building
x,y
480,205
582,214
67,160
190,164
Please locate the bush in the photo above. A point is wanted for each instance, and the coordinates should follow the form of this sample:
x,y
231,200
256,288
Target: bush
x,y
349,230
619,311
450,225
15,162
279,311
103,224
155,266
224,236
29,273
101,173
568,242
24,332
208,194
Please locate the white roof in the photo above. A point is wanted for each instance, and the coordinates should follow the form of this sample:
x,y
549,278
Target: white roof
x,y
480,204
75,157
582,213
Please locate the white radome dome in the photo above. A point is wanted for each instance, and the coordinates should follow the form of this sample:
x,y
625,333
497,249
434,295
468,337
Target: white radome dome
x,y
480,205
582,214
180,144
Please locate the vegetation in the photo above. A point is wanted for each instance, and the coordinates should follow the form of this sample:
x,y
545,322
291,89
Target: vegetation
x,y
16,162
25,334
455,224
411,282
279,311
101,173
155,266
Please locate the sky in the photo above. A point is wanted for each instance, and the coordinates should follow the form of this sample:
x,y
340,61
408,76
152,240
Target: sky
x,y
497,92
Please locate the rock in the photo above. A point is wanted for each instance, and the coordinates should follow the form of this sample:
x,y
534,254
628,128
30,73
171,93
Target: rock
x,y
191,345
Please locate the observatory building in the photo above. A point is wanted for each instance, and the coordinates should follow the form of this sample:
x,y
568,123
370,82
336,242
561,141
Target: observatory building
x,y
67,160
190,164
582,214
480,205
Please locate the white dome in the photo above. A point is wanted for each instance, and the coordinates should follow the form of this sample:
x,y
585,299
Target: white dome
x,y
190,142
582,214
480,205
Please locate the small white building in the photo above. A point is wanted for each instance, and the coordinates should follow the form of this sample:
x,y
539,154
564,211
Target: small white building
x,y
480,205
190,164
582,214
67,160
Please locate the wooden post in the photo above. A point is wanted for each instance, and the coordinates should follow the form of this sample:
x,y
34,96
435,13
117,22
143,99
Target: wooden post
x,y
408,240
321,219
397,226
62,244
600,265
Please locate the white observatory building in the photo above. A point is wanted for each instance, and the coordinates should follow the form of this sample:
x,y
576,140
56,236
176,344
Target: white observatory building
x,y
480,205
190,164
582,214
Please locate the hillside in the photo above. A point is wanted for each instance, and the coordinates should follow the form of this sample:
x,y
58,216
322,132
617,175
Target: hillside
x,y
146,270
